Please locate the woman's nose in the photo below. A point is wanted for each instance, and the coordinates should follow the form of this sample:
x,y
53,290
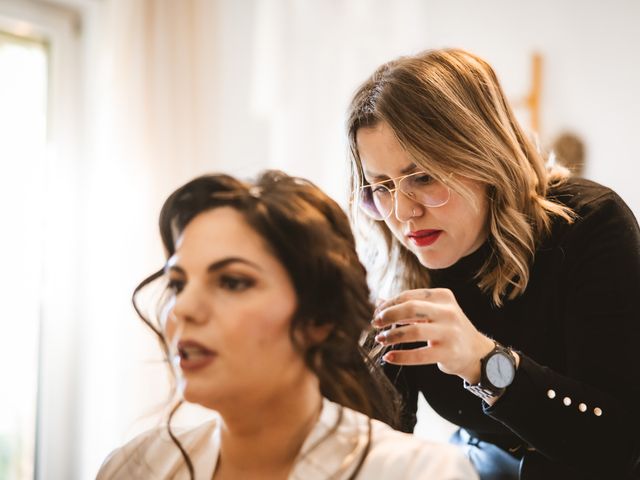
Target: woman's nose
x,y
405,207
190,306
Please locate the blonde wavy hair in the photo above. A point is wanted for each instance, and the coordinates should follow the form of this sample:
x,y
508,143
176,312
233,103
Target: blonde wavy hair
x,y
448,111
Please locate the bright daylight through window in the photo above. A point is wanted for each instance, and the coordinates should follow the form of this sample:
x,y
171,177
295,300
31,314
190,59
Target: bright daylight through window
x,y
23,135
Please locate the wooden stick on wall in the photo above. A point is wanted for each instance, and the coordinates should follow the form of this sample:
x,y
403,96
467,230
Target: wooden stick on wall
x,y
534,98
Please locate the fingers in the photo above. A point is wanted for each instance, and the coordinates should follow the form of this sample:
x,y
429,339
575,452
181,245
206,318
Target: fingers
x,y
429,315
411,311
415,332
415,356
438,295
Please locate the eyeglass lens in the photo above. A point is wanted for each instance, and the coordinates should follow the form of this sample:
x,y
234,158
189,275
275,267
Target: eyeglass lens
x,y
377,200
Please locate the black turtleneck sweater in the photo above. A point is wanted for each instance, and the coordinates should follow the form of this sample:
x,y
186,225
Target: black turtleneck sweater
x,y
576,395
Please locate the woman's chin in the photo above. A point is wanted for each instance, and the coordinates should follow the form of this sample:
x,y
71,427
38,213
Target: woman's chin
x,y
433,261
196,396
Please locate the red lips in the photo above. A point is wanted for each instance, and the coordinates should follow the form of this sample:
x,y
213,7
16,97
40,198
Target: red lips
x,y
423,238
194,356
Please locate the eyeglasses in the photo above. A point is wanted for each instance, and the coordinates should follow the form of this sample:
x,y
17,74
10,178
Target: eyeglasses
x,y
377,200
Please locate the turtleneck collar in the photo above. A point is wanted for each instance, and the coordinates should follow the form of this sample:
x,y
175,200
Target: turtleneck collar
x,y
465,268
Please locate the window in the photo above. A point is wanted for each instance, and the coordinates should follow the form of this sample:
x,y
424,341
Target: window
x,y
39,153
23,137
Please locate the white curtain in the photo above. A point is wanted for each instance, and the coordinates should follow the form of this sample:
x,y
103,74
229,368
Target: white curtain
x,y
309,58
151,127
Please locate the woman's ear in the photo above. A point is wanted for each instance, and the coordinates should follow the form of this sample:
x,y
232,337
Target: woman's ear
x,y
316,334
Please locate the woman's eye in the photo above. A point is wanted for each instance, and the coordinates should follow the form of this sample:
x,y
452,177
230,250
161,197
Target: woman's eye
x,y
423,179
382,187
175,285
235,284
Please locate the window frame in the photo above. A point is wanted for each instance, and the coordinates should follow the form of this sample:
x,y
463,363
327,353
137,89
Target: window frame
x,y
58,26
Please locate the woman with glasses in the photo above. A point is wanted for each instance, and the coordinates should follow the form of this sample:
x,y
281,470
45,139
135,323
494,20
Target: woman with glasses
x,y
511,290
260,307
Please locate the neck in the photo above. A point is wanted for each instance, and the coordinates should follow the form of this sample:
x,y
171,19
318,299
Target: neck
x,y
266,435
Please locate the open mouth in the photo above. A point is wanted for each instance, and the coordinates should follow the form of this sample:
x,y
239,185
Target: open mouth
x,y
194,356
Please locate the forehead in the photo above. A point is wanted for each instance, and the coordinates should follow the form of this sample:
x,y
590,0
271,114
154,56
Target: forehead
x,y
218,233
381,153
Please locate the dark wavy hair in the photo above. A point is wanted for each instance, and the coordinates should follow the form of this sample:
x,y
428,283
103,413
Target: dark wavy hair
x,y
310,235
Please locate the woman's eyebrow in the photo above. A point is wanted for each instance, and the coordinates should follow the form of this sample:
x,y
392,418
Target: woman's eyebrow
x,y
229,260
406,170
215,266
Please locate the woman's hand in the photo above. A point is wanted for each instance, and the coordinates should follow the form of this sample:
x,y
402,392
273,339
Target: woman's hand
x,y
432,315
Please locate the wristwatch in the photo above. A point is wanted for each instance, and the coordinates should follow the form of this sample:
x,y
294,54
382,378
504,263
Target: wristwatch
x,y
497,371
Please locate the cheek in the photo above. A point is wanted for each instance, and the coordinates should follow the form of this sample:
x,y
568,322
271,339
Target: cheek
x,y
469,224
170,330
168,324
269,326
274,332
477,215
396,229
272,343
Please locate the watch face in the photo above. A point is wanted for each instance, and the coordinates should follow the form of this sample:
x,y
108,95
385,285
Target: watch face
x,y
499,370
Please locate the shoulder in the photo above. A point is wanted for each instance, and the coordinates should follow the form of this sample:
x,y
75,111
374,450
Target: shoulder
x,y
585,196
344,437
153,454
395,454
597,209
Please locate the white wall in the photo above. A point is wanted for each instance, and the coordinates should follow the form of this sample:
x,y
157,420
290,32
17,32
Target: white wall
x,y
591,54
283,60
322,50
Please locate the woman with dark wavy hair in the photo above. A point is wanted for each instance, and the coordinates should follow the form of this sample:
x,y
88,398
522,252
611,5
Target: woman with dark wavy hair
x,y
264,302
515,288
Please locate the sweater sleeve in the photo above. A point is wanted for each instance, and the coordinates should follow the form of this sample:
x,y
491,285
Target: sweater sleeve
x,y
587,416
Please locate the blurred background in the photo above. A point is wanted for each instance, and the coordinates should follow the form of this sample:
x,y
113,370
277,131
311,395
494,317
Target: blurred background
x,y
106,106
